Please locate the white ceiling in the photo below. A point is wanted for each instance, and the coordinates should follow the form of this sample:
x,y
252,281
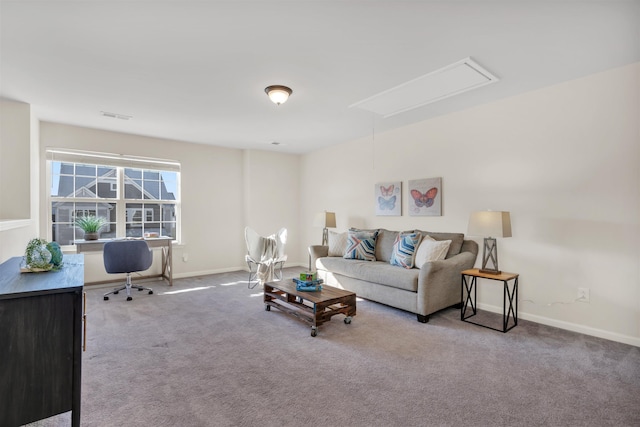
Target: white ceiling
x,y
196,70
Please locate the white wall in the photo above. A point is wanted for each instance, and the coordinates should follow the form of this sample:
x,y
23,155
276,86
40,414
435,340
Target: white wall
x,y
18,178
564,160
213,195
271,195
15,179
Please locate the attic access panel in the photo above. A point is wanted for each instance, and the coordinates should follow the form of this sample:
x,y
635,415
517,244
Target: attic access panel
x,y
448,81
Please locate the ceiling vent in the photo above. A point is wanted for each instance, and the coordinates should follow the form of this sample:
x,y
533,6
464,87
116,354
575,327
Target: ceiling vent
x,y
448,81
115,115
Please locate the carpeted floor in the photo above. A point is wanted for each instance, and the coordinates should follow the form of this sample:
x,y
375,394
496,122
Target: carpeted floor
x,y
206,353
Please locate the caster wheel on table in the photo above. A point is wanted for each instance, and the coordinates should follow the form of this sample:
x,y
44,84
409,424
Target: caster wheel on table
x,y
347,320
314,331
129,298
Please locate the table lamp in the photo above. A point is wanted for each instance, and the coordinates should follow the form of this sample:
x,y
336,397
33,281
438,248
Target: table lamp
x,y
490,224
325,220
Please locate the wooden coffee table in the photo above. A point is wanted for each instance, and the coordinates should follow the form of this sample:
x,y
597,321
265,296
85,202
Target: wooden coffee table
x,y
315,308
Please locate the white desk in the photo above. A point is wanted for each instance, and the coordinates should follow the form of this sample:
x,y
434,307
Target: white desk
x,y
164,243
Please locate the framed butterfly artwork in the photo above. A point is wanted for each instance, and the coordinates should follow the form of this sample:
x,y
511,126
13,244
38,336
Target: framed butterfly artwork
x,y
425,197
388,198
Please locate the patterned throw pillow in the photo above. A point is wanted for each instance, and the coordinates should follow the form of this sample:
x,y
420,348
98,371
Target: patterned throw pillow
x,y
361,245
404,249
431,250
337,243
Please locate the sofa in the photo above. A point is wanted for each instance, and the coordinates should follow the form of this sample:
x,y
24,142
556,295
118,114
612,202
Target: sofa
x,y
424,288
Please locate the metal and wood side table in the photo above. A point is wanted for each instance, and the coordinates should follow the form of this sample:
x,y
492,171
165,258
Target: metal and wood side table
x,y
509,297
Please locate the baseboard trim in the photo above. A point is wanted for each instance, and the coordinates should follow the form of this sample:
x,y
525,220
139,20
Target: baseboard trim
x,y
190,274
226,270
574,327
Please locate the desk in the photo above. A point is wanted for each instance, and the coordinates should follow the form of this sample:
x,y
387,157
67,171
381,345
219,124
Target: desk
x,y
40,342
510,295
165,243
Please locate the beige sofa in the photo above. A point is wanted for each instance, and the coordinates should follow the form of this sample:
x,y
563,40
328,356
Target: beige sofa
x,y
423,290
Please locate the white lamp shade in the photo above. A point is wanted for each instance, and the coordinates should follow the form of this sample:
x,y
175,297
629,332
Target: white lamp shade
x,y
489,224
325,220
278,94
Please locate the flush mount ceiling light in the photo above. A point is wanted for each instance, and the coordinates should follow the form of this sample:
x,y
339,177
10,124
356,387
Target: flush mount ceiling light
x,y
278,94
440,84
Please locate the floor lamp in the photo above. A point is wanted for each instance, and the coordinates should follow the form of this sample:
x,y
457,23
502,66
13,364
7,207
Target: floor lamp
x,y
490,224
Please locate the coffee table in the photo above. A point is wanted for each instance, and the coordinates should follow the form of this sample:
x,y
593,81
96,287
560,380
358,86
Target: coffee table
x,y
315,308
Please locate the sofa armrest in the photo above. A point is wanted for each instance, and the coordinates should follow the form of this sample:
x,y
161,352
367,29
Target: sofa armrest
x,y
315,252
439,282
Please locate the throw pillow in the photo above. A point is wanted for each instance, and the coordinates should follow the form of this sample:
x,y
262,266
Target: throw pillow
x,y
337,243
431,250
361,245
404,249
457,239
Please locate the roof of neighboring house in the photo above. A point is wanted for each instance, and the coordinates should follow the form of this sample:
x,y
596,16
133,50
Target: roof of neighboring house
x,y
133,177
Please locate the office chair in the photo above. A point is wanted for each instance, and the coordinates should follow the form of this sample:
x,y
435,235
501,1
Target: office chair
x,y
127,256
266,255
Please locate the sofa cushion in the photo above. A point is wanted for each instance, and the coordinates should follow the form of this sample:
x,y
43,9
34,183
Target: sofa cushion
x,y
361,245
456,241
404,249
384,244
431,250
337,243
379,272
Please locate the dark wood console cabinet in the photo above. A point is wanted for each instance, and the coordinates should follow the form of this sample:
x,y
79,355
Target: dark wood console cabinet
x,y
40,342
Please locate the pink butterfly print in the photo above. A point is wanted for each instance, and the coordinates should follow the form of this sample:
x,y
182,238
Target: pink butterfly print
x,y
425,199
387,191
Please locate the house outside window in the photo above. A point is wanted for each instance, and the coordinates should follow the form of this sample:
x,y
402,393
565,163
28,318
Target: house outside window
x,y
133,200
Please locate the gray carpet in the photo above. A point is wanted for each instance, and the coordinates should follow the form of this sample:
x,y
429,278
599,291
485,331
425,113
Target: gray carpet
x,y
206,353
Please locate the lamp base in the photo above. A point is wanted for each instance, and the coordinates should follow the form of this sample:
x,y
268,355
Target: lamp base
x,y
490,256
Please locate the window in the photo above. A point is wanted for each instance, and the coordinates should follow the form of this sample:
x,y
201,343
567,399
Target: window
x,y
133,200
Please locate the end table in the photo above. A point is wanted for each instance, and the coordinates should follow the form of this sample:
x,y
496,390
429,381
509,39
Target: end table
x,y
469,297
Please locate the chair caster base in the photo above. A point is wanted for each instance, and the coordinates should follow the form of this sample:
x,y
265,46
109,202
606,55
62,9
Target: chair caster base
x,y
129,298
150,292
106,298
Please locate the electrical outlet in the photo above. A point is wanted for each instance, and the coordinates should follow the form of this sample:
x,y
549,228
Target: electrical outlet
x,y
185,257
583,295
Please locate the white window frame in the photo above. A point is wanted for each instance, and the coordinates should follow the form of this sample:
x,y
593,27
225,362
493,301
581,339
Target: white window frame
x,y
120,163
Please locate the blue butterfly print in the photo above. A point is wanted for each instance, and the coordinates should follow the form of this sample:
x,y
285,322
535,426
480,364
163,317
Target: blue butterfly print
x,y
389,203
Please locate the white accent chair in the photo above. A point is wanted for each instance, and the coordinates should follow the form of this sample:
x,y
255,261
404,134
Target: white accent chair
x,y
265,256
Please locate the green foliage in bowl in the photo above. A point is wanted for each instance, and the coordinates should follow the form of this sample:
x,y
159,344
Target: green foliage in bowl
x,y
37,257
91,223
